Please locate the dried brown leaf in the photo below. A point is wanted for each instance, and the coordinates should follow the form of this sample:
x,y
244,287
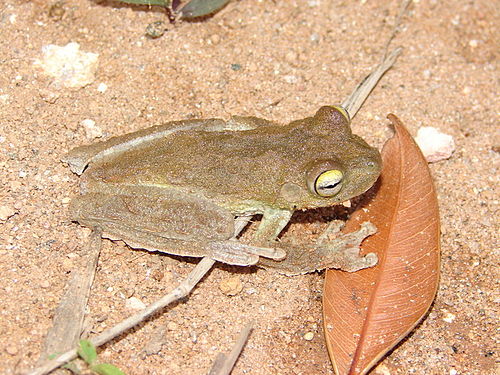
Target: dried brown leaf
x,y
368,312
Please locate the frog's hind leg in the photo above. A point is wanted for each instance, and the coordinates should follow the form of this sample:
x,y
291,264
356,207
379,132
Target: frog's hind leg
x,y
237,253
178,225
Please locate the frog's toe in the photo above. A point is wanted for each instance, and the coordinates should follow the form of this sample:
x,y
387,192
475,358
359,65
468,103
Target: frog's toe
x,y
268,252
353,262
237,253
235,259
233,252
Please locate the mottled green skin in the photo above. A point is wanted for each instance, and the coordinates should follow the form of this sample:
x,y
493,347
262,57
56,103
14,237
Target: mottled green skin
x,y
233,167
215,169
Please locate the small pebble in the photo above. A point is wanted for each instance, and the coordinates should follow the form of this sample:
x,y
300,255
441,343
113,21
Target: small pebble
x,y
48,96
309,336
291,56
156,29
435,145
12,350
448,317
69,66
6,212
215,39
65,200
157,275
382,369
67,265
45,284
473,43
231,286
134,303
127,292
314,37
91,129
172,326
102,87
101,318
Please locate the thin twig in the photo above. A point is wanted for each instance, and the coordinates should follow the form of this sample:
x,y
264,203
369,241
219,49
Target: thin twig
x,y
184,288
69,317
361,92
224,364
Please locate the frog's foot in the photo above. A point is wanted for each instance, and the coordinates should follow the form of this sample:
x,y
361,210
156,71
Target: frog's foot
x,y
240,254
341,253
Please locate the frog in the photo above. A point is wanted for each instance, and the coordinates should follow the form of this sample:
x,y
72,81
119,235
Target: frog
x,y
181,187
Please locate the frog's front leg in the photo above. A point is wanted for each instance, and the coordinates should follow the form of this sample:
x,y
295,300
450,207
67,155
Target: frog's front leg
x,y
274,220
341,253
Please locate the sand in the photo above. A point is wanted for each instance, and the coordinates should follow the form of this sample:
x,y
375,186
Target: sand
x,y
279,60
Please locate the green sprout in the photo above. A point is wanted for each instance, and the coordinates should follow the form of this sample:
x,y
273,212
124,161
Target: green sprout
x,y
88,353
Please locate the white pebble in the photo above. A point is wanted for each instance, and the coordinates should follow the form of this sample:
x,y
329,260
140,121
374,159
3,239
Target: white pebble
x,y
448,317
91,129
435,145
69,66
102,87
309,336
172,326
473,43
134,303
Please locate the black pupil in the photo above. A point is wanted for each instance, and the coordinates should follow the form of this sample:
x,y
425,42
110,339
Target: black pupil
x,y
330,186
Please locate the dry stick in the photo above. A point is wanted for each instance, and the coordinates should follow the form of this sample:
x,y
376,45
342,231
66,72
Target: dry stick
x,y
68,319
351,104
184,288
224,363
178,293
361,92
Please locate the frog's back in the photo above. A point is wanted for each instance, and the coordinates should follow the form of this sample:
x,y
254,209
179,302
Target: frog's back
x,y
247,164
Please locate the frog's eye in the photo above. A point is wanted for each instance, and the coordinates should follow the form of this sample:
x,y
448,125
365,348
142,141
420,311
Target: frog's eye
x,y
344,112
325,178
329,183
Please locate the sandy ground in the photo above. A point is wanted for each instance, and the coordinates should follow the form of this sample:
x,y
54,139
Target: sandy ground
x,y
294,56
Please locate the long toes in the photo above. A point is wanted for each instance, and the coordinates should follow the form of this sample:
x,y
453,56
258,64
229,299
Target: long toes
x,y
371,259
267,252
235,258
